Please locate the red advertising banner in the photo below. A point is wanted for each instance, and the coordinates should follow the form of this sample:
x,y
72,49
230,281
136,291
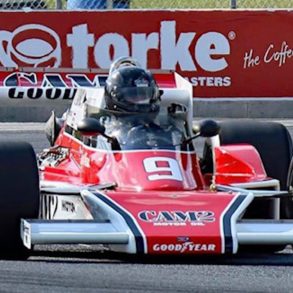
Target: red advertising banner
x,y
223,53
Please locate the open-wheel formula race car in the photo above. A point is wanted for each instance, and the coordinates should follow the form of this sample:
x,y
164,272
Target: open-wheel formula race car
x,y
132,179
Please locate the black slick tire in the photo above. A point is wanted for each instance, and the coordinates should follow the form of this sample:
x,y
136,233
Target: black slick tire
x,y
274,144
19,195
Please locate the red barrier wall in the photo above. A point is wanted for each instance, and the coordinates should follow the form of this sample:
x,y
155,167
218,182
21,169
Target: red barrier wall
x,y
223,53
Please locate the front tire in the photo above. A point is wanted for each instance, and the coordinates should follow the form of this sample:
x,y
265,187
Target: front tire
x,y
19,196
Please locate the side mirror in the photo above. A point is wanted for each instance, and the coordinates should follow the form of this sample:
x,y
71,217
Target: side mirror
x,y
209,128
90,127
53,127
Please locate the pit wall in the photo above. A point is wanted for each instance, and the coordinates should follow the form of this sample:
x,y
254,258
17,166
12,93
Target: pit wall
x,y
238,61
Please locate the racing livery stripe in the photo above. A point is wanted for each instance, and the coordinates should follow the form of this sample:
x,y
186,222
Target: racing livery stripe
x,y
227,222
139,241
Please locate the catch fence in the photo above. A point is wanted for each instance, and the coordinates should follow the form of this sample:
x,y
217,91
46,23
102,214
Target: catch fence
x,y
145,4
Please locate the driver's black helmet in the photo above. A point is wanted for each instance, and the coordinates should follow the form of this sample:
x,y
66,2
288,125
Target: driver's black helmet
x,y
131,89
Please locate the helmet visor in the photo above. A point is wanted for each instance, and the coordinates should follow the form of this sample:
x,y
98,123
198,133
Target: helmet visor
x,y
136,95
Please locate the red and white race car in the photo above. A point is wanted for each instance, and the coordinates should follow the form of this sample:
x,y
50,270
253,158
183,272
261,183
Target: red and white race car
x,y
138,184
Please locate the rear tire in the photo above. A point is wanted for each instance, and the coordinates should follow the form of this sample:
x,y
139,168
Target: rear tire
x,y
274,144
19,197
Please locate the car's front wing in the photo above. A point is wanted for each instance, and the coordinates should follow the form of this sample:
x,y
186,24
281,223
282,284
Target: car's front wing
x,y
177,227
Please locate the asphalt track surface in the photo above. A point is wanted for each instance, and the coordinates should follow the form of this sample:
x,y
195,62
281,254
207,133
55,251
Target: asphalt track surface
x,y
88,269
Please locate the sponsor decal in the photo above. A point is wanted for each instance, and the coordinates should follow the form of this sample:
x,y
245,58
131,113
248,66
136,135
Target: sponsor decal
x,y
177,218
182,238
184,247
272,54
49,86
38,45
174,47
33,45
202,81
37,93
225,53
49,206
54,80
68,206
